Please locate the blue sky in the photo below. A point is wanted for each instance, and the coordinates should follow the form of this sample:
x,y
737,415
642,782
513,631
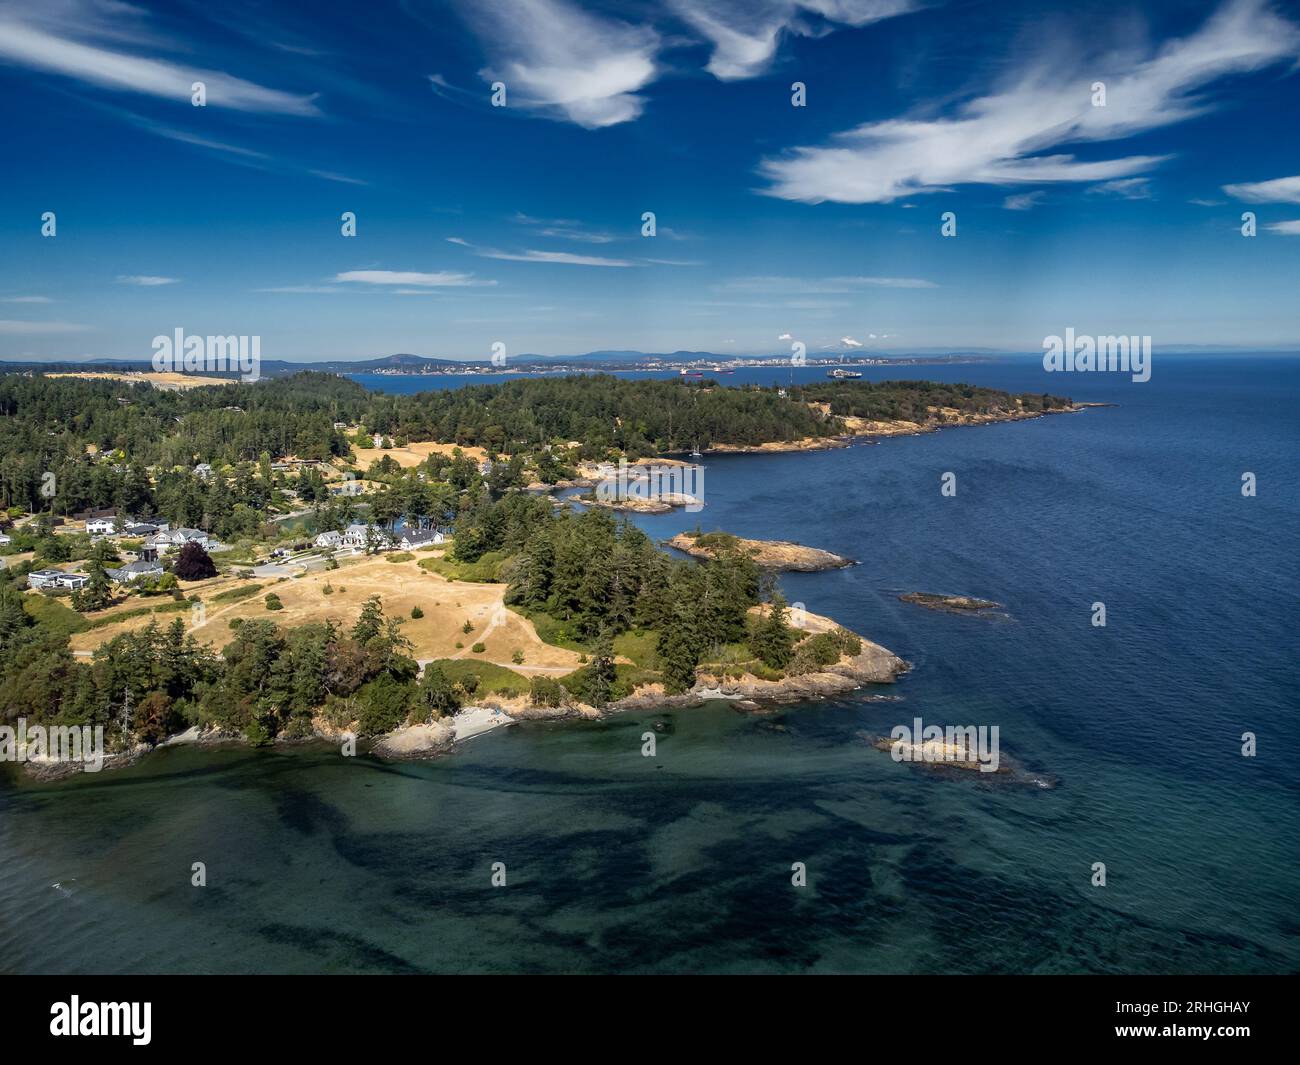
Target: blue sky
x,y
522,224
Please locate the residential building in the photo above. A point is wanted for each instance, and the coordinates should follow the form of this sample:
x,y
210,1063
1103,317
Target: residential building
x,y
412,538
56,578
135,571
358,535
168,539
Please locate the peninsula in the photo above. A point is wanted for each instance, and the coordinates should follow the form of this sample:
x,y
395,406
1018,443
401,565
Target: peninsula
x,y
778,555
302,558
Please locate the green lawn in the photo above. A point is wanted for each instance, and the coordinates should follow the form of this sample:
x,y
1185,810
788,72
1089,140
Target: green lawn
x,y
232,594
55,617
492,679
487,570
554,631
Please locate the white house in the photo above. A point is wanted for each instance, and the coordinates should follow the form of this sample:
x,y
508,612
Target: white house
x,y
358,535
412,538
6,539
101,527
333,538
168,539
56,578
135,571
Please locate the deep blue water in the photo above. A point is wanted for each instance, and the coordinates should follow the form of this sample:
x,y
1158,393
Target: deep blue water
x,y
682,862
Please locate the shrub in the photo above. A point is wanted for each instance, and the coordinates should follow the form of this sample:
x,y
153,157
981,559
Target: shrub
x,y
478,648
546,692
273,602
242,592
814,653
850,643
467,628
385,703
416,613
193,563
517,657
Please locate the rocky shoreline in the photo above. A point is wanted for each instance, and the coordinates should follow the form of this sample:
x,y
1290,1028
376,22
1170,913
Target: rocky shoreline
x,y
873,664
779,555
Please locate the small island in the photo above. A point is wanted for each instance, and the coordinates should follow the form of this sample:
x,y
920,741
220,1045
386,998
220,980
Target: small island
x,y
777,555
956,604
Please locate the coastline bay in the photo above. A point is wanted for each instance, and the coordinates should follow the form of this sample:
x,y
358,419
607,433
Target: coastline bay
x,y
615,863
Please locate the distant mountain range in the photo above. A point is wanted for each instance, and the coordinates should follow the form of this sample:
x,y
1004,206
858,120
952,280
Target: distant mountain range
x,y
406,363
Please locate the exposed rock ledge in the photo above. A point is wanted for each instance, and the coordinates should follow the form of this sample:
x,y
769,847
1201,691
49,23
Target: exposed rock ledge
x,y
872,665
769,554
661,503
957,604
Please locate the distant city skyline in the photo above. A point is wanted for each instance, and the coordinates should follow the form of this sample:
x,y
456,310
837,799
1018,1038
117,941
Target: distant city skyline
x,y
1107,210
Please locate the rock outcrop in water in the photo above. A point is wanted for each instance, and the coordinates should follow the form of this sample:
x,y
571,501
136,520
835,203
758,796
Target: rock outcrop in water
x,y
956,604
781,555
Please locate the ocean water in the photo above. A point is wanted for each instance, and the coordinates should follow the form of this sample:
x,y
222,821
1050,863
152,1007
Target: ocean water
x,y
682,862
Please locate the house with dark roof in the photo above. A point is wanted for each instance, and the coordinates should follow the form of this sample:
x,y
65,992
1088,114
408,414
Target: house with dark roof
x,y
135,571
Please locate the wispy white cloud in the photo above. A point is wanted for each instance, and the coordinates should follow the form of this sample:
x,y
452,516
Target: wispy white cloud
x,y
565,229
849,342
1279,190
1135,188
88,41
1024,201
536,256
304,290
996,139
26,299
745,33
10,327
330,175
440,279
787,286
565,62
146,280
1285,229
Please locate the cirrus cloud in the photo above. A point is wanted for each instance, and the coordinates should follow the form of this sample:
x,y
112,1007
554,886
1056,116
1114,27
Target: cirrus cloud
x,y
1279,190
1008,136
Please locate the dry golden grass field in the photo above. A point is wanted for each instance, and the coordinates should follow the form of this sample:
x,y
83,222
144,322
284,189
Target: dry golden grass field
x,y
447,605
413,454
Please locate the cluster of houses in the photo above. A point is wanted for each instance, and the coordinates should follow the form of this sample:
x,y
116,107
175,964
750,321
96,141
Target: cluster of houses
x,y
358,537
159,539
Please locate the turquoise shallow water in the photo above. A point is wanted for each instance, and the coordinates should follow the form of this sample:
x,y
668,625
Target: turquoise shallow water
x,y
681,862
